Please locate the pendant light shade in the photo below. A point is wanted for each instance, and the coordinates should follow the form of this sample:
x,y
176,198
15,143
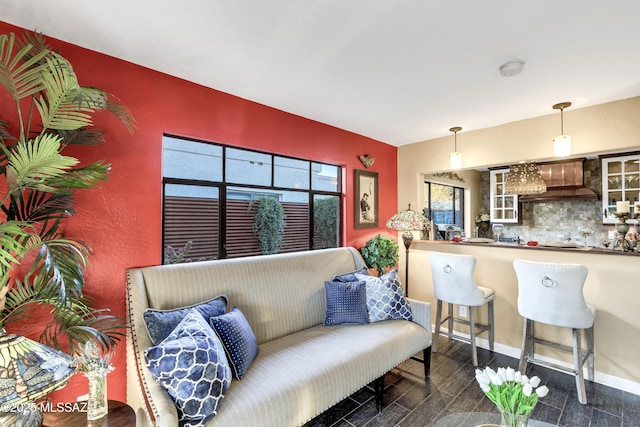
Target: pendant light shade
x,y
562,142
455,158
524,178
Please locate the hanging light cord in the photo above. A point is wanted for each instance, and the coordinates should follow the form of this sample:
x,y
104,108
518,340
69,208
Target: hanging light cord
x,y
455,131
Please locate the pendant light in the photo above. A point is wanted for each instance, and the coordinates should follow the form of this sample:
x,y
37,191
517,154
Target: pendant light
x,y
455,158
562,142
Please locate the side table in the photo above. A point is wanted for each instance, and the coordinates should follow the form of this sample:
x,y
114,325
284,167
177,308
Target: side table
x,y
119,415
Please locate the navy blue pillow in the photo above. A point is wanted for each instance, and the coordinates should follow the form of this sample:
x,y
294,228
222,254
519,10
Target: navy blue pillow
x,y
350,277
238,339
160,323
192,366
346,303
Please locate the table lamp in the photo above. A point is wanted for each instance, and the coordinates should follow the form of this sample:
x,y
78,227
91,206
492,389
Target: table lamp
x,y
407,221
29,371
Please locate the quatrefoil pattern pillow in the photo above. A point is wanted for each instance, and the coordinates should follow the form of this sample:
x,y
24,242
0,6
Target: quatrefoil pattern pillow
x,y
192,366
385,298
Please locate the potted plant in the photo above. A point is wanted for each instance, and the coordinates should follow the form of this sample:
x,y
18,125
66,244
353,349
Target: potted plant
x,y
380,252
269,224
38,264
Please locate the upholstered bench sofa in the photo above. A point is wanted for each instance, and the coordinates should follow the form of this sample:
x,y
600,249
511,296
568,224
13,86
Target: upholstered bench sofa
x,y
303,367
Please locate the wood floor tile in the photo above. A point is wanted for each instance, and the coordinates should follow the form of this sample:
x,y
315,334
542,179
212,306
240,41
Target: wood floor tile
x,y
412,401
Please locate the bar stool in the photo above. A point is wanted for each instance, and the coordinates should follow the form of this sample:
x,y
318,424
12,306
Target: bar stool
x,y
552,293
453,283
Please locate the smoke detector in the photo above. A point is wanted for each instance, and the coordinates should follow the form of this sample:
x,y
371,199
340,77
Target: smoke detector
x,y
511,68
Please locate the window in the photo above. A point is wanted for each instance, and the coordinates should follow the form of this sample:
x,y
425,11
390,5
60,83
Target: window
x,y
211,193
445,205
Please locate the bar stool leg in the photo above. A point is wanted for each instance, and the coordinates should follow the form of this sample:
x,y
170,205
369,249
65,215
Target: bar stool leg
x,y
491,329
472,335
577,350
526,344
450,322
434,344
590,341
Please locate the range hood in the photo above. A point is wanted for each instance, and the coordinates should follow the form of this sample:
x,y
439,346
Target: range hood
x,y
564,179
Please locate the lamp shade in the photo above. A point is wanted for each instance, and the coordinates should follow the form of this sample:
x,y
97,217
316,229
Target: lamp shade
x,y
408,220
30,370
562,145
524,178
455,160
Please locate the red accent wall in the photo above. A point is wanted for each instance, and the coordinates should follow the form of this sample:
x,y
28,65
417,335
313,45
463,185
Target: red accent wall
x,y
121,220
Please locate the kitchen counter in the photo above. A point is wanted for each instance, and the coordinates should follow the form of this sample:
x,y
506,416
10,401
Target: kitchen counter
x,y
588,249
612,286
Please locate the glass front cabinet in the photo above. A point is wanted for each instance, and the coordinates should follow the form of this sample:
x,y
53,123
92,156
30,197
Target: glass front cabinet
x,y
620,183
503,208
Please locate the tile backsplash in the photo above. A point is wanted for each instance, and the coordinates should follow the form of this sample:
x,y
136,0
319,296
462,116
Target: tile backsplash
x,y
559,219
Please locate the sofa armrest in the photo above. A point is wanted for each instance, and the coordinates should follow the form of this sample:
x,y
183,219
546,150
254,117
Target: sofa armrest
x,y
421,313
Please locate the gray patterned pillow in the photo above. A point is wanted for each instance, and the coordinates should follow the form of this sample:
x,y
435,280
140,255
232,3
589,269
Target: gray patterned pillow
x,y
192,366
385,298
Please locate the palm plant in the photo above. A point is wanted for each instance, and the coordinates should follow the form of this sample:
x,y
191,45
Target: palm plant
x,y
38,264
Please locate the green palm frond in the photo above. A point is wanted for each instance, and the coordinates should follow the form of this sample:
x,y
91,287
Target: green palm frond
x,y
32,164
82,136
21,78
121,112
38,206
85,177
11,237
64,104
4,132
60,263
76,320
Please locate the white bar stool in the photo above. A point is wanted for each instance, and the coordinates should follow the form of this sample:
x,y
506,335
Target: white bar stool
x,y
453,283
552,293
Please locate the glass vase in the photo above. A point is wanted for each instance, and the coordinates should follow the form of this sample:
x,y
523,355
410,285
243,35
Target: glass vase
x,y
509,419
97,406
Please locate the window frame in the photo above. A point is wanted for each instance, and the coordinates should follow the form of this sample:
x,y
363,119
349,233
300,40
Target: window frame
x,y
455,191
223,187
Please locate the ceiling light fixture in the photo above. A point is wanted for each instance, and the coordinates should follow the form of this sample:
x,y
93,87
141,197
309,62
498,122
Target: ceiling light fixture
x,y
511,68
524,178
562,142
455,158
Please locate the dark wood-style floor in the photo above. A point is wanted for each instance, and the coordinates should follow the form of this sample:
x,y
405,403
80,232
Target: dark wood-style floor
x,y
412,401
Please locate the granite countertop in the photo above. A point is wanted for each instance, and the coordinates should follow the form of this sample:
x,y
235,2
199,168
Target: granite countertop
x,y
524,246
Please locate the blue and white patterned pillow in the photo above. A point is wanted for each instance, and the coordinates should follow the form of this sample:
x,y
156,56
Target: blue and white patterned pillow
x,y
346,303
385,298
238,339
160,323
192,366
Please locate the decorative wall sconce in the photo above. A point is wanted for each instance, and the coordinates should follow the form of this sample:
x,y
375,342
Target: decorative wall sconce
x,y
562,142
366,160
455,158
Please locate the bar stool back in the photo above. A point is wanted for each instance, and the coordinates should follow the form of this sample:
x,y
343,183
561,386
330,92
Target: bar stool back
x,y
453,283
552,293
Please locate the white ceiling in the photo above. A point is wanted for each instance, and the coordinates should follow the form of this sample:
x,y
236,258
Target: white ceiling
x,y
399,71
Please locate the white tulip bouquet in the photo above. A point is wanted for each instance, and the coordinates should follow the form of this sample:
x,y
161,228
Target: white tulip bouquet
x,y
514,394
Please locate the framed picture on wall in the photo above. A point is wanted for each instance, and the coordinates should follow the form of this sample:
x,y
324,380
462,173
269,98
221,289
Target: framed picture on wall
x,y
366,199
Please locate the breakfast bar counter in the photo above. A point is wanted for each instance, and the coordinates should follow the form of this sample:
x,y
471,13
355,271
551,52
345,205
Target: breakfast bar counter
x,y
612,286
